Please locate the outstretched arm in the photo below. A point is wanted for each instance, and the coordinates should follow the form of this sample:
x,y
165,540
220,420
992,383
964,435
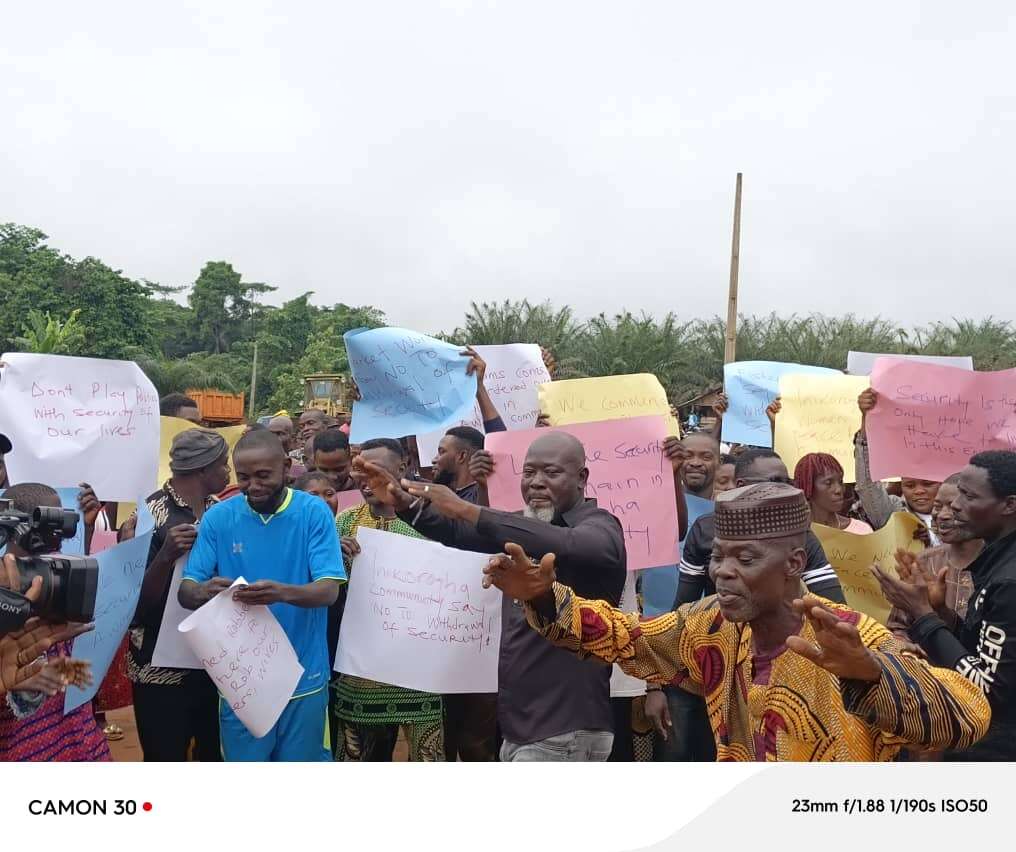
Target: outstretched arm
x,y
889,689
644,649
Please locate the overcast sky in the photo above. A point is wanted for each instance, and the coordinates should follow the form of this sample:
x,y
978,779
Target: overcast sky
x,y
419,155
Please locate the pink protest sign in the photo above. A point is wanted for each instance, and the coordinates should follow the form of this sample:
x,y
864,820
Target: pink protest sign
x,y
930,420
348,499
628,475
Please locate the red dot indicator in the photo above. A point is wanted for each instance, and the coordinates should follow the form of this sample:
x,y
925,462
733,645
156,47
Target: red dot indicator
x,y
147,806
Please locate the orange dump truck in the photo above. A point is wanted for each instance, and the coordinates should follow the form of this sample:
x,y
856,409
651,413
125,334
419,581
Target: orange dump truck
x,y
219,408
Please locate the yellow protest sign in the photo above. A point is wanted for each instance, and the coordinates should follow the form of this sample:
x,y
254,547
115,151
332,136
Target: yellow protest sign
x,y
819,415
852,556
605,398
169,428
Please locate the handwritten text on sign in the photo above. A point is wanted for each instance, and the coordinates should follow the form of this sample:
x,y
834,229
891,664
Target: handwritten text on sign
x,y
417,616
929,420
750,387
247,655
514,374
121,572
852,556
606,398
629,476
819,415
75,420
409,383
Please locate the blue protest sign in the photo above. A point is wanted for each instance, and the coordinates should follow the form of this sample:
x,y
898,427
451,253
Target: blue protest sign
x,y
69,500
121,570
659,585
750,386
409,383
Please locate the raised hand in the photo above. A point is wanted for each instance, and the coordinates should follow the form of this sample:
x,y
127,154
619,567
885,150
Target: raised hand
x,y
675,452
384,486
867,400
722,404
518,576
481,466
838,647
476,364
88,504
910,591
774,408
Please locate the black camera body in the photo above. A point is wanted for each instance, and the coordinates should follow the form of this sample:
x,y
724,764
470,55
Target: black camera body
x,y
69,583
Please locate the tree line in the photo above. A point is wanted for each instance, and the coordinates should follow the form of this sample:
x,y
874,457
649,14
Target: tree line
x,y
203,336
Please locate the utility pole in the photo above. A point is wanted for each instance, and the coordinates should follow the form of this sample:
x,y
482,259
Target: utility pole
x,y
730,343
253,382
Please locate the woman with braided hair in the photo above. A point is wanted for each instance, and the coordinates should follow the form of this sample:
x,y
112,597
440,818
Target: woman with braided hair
x,y
820,477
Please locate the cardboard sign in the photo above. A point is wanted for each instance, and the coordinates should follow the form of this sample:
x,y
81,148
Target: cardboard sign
x,y
629,476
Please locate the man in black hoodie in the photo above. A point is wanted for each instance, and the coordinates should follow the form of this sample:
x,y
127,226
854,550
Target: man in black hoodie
x,y
981,647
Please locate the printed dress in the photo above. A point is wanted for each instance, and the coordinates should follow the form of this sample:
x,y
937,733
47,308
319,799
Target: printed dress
x,y
781,707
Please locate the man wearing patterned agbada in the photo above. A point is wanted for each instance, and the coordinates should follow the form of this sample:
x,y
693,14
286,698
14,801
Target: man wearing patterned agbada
x,y
784,678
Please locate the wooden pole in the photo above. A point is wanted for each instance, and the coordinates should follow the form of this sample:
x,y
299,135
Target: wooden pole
x,y
253,382
730,347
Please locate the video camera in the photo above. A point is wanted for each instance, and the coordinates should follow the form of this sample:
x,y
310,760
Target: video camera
x,y
69,583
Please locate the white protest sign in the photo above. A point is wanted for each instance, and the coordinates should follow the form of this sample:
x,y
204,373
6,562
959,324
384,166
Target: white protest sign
x,y
74,420
514,374
862,363
171,651
247,655
417,616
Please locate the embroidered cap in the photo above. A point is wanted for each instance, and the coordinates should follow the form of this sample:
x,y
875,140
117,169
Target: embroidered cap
x,y
760,511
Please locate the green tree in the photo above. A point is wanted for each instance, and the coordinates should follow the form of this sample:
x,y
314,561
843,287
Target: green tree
x,y
522,322
45,334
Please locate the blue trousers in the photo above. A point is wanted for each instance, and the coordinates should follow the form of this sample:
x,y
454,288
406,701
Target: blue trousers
x,y
300,735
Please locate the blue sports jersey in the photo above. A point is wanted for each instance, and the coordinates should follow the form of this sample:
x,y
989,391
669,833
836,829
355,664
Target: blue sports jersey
x,y
296,545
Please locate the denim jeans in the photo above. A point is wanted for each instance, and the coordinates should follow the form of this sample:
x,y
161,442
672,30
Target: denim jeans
x,y
574,746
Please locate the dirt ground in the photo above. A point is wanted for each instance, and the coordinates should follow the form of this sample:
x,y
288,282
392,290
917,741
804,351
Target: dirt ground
x,y
129,749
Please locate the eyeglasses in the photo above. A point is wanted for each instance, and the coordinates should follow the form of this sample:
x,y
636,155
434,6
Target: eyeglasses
x,y
783,480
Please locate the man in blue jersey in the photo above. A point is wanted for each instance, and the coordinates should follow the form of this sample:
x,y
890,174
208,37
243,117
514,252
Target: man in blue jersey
x,y
283,543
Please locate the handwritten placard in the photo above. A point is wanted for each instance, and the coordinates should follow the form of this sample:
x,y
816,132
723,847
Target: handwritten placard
x,y
629,476
409,383
930,420
514,374
247,655
819,415
852,556
417,616
171,650
862,363
750,387
606,398
121,570
74,420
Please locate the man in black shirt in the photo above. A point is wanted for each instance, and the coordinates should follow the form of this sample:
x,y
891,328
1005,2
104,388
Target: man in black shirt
x,y
982,647
552,706
174,706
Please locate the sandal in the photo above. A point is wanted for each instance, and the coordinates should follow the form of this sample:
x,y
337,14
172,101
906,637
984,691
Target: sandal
x,y
113,732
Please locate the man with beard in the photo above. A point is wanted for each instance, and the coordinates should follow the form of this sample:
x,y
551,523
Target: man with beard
x,y
982,646
701,458
551,706
784,677
946,563
283,543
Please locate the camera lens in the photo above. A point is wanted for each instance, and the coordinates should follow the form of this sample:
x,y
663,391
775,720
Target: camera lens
x,y
69,586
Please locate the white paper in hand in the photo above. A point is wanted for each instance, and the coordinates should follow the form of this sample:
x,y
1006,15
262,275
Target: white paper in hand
x,y
171,650
417,616
247,655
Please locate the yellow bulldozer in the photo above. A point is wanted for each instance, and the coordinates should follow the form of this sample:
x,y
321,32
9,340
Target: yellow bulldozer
x,y
327,392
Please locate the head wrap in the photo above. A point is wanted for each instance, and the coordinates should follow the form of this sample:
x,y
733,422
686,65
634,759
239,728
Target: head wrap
x,y
760,511
195,449
5,445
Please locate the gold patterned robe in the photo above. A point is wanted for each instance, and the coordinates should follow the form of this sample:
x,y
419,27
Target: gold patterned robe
x,y
803,713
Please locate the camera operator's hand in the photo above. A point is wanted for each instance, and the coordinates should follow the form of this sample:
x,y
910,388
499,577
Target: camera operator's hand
x,y
57,675
88,504
10,578
20,651
179,540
